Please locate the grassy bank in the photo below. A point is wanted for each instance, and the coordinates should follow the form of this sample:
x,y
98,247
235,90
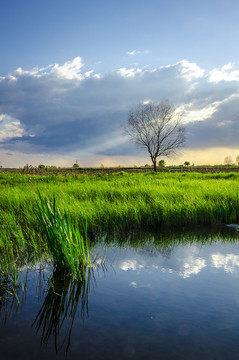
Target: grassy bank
x,y
120,200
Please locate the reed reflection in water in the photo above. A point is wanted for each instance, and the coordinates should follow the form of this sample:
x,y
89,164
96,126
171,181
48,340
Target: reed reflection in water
x,y
64,297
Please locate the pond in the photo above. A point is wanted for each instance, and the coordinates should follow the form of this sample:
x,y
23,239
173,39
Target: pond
x,y
148,296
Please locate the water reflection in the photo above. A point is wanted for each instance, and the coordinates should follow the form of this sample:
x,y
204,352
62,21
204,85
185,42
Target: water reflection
x,y
8,302
186,252
169,238
186,261
229,262
159,289
64,297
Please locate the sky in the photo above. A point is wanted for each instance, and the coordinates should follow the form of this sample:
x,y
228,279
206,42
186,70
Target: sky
x,y
70,71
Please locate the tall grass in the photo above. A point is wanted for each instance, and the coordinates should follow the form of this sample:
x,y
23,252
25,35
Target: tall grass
x,y
109,202
68,246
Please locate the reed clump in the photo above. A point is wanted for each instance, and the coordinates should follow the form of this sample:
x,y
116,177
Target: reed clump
x,y
68,246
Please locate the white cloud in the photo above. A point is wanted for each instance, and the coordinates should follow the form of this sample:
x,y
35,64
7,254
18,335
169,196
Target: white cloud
x,y
131,52
97,76
192,266
88,73
190,70
70,70
129,73
134,52
130,264
229,262
185,262
35,72
145,102
191,114
10,128
225,73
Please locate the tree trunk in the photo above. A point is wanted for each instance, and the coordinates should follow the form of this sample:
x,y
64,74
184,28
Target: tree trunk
x,y
155,165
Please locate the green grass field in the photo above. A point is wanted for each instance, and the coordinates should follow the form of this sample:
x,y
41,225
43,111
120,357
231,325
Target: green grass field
x,y
121,200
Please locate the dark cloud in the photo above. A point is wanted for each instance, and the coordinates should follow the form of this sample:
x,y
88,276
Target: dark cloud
x,y
61,109
221,129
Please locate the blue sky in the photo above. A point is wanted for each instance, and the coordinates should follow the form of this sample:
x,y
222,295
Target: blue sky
x,y
101,32
71,70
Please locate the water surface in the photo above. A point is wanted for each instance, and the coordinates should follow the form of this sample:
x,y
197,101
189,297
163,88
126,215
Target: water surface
x,y
155,296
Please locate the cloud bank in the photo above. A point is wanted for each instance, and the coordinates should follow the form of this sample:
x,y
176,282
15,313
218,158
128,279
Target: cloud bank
x,y
62,109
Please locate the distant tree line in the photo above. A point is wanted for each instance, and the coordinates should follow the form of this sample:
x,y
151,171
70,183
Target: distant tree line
x,y
228,160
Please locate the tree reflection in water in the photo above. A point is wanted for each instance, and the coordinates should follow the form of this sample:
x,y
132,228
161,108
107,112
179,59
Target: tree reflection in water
x,y
65,295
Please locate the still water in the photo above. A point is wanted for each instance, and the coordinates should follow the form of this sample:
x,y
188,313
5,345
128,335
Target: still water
x,y
163,296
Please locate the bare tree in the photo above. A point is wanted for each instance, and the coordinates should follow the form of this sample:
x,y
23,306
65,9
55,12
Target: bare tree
x,y
228,160
157,127
237,159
